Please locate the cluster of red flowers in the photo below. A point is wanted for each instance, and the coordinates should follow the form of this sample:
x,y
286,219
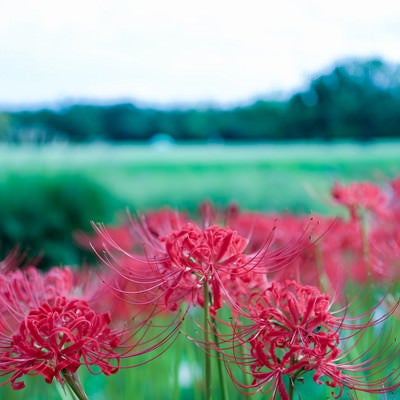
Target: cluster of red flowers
x,y
52,323
282,278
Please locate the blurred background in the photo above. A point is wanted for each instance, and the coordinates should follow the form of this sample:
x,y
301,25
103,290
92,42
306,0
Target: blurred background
x,y
109,106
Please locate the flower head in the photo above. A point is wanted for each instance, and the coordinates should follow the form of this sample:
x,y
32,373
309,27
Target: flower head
x,y
51,324
294,330
46,329
177,259
56,337
203,251
360,195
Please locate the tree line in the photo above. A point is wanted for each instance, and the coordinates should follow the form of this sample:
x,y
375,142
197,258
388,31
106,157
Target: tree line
x,y
356,100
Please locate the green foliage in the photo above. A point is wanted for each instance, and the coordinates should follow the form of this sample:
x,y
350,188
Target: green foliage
x,y
40,213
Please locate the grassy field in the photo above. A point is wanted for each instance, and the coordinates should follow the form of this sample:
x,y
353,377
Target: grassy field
x,y
271,178
293,177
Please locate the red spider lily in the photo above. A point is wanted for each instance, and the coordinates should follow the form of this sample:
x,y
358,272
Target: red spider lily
x,y
360,249
395,185
293,331
178,264
130,233
175,267
307,233
384,253
391,223
121,234
43,330
27,288
366,247
55,337
50,326
341,255
204,255
162,222
361,196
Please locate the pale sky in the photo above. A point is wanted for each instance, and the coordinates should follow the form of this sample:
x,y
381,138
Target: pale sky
x,y
181,51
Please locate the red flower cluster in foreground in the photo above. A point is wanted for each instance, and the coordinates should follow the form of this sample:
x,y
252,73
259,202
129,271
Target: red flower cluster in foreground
x,y
280,276
281,279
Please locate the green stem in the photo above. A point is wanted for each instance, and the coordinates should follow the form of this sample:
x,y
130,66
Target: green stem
x,y
291,389
221,374
293,379
177,363
207,365
74,384
63,393
193,357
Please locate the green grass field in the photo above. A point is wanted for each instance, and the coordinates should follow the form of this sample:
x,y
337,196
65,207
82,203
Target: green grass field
x,y
293,177
270,178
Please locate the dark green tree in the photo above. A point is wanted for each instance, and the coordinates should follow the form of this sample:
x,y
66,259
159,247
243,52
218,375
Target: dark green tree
x,y
357,100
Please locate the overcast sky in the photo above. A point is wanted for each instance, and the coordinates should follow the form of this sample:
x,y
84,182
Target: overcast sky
x,y
213,51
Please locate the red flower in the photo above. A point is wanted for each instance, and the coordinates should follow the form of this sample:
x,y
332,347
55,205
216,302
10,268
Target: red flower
x,y
201,250
174,267
395,185
293,242
121,234
59,336
361,195
45,330
51,325
293,331
203,256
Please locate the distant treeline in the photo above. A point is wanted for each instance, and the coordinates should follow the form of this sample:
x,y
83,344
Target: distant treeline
x,y
356,100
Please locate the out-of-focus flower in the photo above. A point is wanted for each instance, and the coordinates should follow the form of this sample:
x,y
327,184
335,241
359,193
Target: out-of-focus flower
x,y
360,196
304,235
395,185
11,261
366,247
120,233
